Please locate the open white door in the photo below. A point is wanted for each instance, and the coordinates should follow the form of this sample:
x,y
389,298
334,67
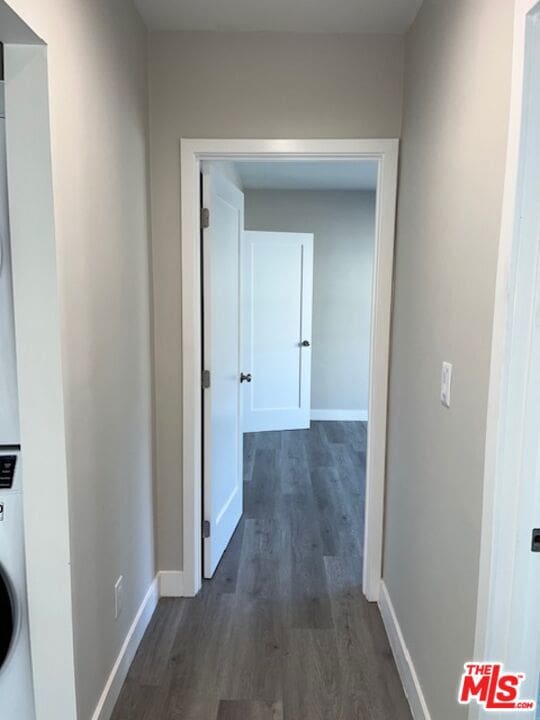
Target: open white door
x,y
524,388
222,483
277,298
513,628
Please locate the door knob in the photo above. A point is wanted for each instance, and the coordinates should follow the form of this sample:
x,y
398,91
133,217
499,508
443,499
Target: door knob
x,y
245,378
305,343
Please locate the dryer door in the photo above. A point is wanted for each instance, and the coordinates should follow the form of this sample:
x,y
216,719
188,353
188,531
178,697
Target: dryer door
x,y
7,618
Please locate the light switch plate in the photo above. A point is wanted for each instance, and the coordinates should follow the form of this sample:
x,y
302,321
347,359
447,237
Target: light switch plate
x,y
118,596
446,383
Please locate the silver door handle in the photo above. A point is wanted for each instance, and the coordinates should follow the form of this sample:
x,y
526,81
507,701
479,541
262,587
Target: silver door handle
x,y
245,378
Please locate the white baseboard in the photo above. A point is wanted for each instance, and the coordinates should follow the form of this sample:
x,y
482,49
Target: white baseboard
x,y
171,584
342,415
125,657
404,662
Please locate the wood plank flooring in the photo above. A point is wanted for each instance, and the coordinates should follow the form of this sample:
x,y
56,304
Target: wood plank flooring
x,y
282,632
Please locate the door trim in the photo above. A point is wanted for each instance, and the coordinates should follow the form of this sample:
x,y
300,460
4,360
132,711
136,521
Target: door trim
x,y
499,521
192,153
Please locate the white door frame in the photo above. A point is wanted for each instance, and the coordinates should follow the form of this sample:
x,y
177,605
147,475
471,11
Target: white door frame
x,y
41,398
503,440
192,153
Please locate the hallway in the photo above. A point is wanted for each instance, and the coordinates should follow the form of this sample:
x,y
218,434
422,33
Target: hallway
x,y
283,631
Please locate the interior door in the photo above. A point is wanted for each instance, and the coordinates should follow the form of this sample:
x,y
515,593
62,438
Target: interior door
x,y
277,299
222,484
524,387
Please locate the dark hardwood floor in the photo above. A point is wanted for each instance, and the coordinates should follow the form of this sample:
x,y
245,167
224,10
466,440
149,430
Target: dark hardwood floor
x,y
283,631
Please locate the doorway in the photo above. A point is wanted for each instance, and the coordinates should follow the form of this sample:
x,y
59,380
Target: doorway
x,y
287,283
193,152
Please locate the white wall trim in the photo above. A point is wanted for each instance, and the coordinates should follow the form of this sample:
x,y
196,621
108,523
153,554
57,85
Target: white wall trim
x,y
125,657
165,584
405,665
502,447
171,583
340,415
192,153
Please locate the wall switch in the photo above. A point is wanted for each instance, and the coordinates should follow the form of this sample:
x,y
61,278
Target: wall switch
x,y
118,596
446,383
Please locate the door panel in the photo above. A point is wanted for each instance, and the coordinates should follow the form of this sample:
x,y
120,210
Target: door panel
x,y
222,412
277,316
513,629
524,631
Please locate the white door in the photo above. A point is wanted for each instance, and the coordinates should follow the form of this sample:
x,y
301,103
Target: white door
x,y
524,631
222,484
514,627
277,298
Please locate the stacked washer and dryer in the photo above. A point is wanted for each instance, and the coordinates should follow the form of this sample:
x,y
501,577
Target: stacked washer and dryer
x,y
16,690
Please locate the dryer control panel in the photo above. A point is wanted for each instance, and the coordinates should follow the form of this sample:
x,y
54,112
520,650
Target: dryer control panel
x,y
7,471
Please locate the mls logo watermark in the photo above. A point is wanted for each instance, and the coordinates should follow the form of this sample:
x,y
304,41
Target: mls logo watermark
x,y
491,687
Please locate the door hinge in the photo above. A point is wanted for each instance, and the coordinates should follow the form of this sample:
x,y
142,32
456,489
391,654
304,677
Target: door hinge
x,y
205,379
206,529
205,218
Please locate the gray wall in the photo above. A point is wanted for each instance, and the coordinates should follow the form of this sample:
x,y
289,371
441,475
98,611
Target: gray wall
x,y
242,85
344,227
99,110
458,62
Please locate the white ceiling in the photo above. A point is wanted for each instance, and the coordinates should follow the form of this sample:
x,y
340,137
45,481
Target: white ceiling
x,y
308,175
325,16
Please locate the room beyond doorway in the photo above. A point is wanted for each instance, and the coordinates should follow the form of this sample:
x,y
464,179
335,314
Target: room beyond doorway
x,y
336,204
287,263
306,285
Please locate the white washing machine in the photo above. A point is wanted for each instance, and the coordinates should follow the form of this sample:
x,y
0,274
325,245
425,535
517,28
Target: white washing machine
x,y
16,690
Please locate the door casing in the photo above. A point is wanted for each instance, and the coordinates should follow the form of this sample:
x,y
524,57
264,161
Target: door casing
x,y
192,153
